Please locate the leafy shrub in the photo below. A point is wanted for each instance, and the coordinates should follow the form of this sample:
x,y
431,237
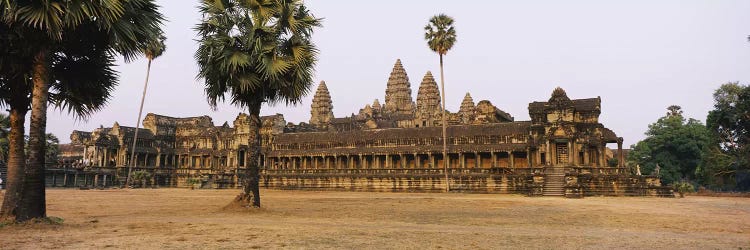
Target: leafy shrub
x,y
683,187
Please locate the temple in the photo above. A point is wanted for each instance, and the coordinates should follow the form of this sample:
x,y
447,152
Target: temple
x,y
397,146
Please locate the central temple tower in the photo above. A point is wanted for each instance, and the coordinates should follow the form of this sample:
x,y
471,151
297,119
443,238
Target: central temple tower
x,y
398,93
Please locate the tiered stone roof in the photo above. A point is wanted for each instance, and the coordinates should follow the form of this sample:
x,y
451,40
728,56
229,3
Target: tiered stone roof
x,y
398,93
322,106
376,105
466,112
428,97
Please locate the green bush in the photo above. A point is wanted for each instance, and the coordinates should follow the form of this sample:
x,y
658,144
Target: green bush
x,y
612,162
141,178
683,187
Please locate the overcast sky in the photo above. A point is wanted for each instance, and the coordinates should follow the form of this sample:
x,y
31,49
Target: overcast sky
x,y
638,56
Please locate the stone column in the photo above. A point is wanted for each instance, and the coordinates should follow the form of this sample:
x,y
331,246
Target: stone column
x,y
417,161
529,160
402,161
387,161
461,160
570,153
106,157
477,160
511,159
549,154
620,157
431,159
586,156
96,156
493,155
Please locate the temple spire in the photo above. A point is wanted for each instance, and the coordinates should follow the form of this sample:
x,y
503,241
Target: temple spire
x,y
398,93
321,111
428,97
466,112
376,105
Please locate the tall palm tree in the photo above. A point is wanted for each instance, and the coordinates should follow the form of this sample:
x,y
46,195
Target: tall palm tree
x,y
154,50
441,35
60,37
15,66
255,52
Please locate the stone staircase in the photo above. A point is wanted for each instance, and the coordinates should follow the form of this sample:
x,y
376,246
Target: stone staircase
x,y
554,181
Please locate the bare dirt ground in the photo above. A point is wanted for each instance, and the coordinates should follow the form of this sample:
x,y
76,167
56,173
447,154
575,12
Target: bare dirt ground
x,y
194,219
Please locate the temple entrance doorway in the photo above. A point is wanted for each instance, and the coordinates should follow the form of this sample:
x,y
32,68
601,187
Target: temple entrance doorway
x,y
562,153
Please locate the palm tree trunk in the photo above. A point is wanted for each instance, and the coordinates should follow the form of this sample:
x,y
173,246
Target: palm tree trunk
x,y
16,163
33,195
446,161
137,125
252,172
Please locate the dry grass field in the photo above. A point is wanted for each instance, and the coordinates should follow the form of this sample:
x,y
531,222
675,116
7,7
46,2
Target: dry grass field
x,y
195,219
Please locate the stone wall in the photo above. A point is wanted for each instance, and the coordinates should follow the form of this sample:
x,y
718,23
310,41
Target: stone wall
x,y
398,182
529,181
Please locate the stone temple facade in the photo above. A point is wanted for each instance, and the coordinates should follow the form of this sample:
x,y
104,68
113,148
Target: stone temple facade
x,y
396,146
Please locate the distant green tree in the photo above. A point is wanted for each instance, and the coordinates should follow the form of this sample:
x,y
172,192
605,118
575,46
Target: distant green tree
x,y
52,150
675,144
4,131
729,125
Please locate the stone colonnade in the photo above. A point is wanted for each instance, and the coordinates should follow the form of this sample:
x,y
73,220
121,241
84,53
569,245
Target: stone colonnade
x,y
492,159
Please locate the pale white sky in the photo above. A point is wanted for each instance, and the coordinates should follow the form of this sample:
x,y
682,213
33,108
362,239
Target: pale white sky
x,y
639,56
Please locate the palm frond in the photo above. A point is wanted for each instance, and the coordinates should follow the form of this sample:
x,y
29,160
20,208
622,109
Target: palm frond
x,y
256,51
440,34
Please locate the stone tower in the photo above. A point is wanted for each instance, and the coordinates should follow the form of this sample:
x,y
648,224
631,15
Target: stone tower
x,y
466,113
428,101
376,105
398,93
321,111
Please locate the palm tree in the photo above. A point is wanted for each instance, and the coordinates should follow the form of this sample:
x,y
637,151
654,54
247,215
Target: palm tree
x,y
255,52
154,50
441,36
15,66
61,37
